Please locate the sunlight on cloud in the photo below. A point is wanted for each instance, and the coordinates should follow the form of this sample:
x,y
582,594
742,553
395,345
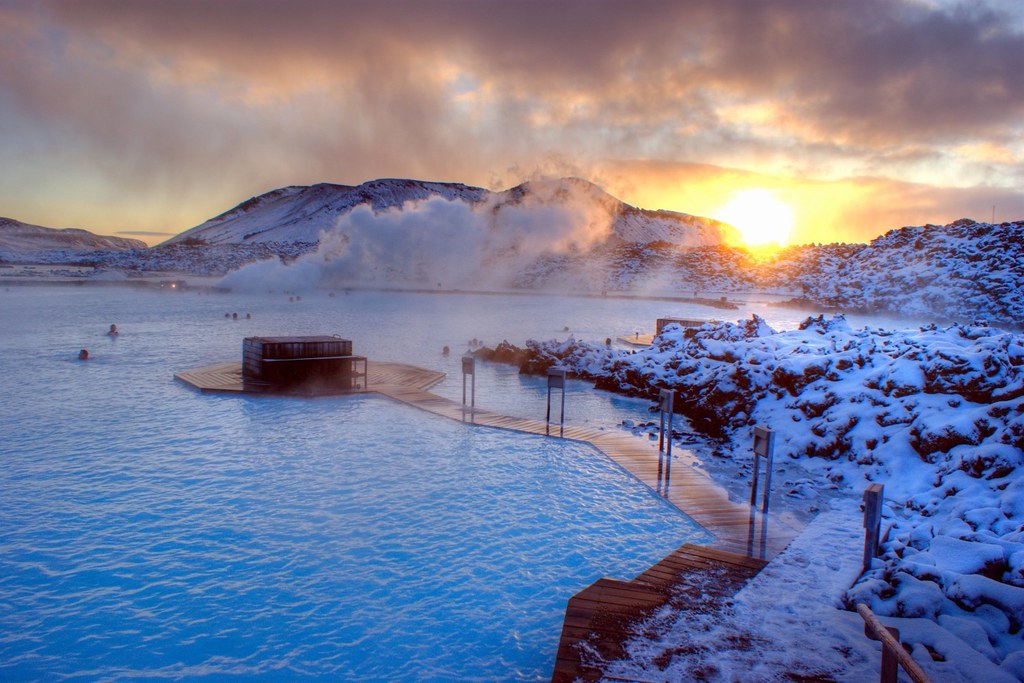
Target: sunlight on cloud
x,y
987,152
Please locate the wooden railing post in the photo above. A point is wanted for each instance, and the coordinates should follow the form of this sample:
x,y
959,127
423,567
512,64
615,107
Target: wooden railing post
x,y
890,665
894,655
872,522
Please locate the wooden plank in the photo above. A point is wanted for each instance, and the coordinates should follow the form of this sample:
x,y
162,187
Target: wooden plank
x,y
602,617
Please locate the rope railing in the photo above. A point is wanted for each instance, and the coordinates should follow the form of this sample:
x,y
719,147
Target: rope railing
x,y
894,655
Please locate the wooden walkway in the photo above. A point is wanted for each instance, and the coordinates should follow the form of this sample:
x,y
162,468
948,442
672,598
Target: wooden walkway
x,y
637,340
601,617
735,526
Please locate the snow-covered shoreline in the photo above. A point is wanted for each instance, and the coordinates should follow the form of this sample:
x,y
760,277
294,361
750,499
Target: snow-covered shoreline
x,y
936,415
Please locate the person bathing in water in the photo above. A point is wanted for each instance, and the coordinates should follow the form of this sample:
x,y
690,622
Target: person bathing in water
x,y
113,330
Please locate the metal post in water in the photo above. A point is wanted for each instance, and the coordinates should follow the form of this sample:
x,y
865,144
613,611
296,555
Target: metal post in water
x,y
661,429
665,401
469,368
556,380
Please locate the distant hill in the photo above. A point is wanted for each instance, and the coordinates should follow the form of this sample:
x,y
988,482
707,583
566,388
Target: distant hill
x,y
964,270
300,214
22,239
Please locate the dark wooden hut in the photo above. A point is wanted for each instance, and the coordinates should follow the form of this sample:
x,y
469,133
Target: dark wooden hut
x,y
319,362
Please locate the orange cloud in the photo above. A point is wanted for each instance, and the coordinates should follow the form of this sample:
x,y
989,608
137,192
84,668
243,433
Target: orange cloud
x,y
164,113
855,209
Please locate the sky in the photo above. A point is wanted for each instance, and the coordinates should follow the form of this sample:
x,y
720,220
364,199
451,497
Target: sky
x,y
143,118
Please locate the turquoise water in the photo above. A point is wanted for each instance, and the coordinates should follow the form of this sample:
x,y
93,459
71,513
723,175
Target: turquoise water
x,y
151,531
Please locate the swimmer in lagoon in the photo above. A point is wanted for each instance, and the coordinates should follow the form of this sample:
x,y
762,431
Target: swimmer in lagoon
x,y
112,332
83,354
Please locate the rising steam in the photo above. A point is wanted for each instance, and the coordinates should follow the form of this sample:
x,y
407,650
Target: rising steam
x,y
442,242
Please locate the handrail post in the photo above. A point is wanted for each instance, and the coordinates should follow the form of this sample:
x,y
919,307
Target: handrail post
x,y
890,665
764,447
894,655
665,407
556,380
469,368
872,522
665,401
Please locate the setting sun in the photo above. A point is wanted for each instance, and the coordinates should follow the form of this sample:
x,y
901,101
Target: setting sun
x,y
760,216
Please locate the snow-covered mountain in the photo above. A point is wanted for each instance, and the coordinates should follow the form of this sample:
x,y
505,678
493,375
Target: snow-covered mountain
x,y
303,213
565,234
18,239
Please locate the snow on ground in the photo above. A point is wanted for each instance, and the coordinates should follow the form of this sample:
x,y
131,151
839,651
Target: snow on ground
x,y
787,622
936,415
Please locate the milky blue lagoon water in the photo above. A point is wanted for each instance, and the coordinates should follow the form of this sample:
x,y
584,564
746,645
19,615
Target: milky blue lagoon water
x,y
147,530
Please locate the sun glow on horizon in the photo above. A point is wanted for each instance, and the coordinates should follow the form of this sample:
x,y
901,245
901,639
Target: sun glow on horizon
x,y
761,218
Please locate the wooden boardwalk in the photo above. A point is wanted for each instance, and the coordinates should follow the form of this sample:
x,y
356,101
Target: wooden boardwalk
x,y
601,617
226,378
637,340
736,528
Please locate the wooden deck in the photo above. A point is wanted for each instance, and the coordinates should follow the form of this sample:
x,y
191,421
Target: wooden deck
x,y
226,378
637,340
602,617
735,526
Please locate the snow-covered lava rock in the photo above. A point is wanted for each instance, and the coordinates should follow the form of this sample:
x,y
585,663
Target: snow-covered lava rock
x,y
934,414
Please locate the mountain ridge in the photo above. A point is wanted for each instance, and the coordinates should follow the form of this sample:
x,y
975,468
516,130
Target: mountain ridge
x,y
301,213
17,237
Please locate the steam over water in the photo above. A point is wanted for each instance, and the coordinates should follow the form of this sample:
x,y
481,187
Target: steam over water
x,y
432,241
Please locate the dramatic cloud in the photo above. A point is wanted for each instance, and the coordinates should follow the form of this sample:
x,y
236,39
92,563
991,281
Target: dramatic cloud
x,y
149,115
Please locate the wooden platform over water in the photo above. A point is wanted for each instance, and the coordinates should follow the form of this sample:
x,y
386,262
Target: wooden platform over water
x,y
637,339
601,617
735,528
226,378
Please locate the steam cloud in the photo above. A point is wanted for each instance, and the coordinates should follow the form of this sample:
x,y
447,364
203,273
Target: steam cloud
x,y
440,242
